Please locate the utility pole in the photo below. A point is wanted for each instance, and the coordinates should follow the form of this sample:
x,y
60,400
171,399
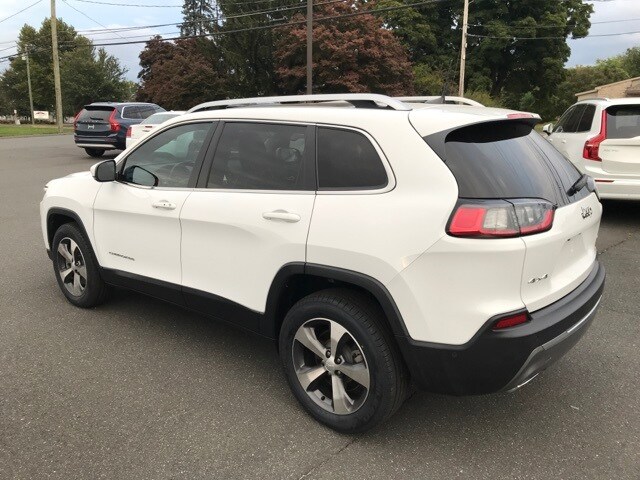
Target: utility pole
x,y
463,48
26,51
309,47
56,65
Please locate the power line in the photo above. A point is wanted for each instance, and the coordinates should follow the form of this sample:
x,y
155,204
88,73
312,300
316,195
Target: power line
x,y
277,25
128,4
552,38
87,16
18,13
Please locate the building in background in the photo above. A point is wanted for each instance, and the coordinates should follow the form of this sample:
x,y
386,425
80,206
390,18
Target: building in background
x,y
621,89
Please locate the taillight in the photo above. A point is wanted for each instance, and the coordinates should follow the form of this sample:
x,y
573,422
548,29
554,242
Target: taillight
x,y
500,218
511,321
591,150
129,132
115,126
75,120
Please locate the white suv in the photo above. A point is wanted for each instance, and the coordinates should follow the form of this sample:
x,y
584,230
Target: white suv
x,y
450,246
601,137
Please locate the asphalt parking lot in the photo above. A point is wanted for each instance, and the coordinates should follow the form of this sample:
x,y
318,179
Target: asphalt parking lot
x,y
140,389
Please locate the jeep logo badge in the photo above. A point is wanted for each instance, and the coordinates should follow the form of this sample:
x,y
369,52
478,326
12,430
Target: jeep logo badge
x,y
586,212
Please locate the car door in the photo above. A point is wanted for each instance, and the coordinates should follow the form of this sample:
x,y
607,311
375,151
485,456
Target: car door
x,y
136,218
250,217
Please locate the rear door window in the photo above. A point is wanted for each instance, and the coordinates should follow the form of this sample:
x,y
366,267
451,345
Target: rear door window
x,y
623,121
131,112
262,156
348,161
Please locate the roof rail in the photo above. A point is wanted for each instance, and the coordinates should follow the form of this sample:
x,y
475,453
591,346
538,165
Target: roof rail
x,y
437,99
358,100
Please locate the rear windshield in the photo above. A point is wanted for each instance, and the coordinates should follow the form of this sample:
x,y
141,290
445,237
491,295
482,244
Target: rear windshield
x,y
95,114
623,121
508,160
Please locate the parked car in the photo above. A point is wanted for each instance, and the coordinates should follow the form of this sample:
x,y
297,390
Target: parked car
x,y
447,246
102,126
435,99
136,132
602,138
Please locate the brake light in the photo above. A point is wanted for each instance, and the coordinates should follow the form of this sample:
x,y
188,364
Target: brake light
x,y
129,132
500,218
591,150
511,321
75,120
115,126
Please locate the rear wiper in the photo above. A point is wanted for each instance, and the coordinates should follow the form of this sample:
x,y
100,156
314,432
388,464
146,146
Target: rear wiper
x,y
582,182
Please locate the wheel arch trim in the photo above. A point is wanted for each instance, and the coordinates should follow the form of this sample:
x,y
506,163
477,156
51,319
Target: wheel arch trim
x,y
65,213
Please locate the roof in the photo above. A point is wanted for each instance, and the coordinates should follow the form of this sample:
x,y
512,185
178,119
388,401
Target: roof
x,y
595,90
116,104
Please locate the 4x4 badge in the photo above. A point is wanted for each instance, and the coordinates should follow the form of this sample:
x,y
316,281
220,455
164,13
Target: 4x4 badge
x,y
586,212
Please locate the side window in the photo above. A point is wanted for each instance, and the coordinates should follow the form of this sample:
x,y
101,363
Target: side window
x,y
560,127
584,125
261,156
167,159
131,112
146,111
347,160
571,125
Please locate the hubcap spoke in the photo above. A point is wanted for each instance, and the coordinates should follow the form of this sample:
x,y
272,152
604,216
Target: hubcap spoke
x,y
65,273
64,251
73,246
342,404
337,332
310,375
357,372
82,271
307,337
77,287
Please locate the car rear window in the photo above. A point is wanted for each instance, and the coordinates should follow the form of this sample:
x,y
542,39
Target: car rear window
x,y
507,160
623,121
95,114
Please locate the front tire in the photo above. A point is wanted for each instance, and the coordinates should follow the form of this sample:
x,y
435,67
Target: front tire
x,y
341,362
94,152
76,269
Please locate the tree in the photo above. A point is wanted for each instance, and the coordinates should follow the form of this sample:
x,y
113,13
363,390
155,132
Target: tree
x,y
514,48
179,75
353,54
198,17
87,74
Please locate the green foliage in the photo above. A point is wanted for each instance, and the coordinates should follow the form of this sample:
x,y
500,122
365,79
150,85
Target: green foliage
x,y
86,74
198,17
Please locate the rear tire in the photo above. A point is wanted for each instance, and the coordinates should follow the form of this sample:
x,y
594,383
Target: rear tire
x,y
360,384
76,268
94,152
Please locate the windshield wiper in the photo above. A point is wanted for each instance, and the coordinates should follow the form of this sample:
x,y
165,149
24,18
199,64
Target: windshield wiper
x,y
582,182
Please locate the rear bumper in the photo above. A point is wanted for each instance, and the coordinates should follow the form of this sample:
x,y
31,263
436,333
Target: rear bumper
x,y
111,142
504,360
614,185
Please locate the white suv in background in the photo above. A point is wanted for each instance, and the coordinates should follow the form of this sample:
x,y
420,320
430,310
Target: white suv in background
x,y
602,138
447,246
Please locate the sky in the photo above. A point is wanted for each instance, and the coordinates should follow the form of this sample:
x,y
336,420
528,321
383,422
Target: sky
x,y
85,15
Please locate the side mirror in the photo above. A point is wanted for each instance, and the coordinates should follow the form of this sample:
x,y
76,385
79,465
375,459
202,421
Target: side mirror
x,y
104,171
548,128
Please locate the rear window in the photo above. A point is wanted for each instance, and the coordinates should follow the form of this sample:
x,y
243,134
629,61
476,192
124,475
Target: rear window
x,y
623,121
95,114
507,160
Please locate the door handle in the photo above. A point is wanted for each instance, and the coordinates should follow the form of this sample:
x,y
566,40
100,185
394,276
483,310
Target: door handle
x,y
164,205
281,215
564,141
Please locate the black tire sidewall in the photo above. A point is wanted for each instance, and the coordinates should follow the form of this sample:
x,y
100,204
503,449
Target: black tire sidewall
x,y
94,152
379,402
95,284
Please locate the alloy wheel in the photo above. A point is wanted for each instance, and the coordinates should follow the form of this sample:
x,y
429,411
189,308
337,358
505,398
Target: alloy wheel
x,y
72,267
331,366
